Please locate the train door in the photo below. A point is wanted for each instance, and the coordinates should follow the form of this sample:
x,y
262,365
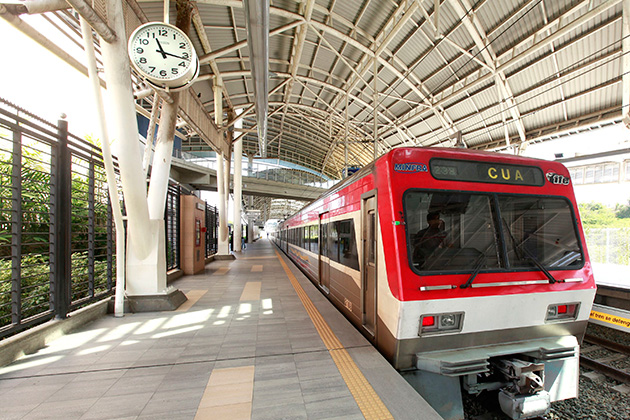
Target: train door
x,y
324,263
368,272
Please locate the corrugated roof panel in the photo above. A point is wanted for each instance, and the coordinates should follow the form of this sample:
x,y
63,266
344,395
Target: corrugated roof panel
x,y
436,72
375,16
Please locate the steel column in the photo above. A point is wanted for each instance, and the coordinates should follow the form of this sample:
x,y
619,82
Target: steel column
x,y
62,225
16,230
91,233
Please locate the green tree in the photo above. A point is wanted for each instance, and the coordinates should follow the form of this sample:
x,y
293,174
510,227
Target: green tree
x,y
622,211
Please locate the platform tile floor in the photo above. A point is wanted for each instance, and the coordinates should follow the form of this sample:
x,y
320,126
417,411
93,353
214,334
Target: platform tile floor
x,y
242,347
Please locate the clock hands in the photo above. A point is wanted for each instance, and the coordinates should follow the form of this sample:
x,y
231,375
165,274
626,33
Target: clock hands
x,y
160,50
176,56
164,53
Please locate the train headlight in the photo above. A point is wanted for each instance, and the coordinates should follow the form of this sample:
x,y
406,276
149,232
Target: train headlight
x,y
562,312
440,323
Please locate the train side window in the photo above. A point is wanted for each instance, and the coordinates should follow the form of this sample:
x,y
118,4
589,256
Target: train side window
x,y
348,255
372,242
314,243
306,237
333,242
323,239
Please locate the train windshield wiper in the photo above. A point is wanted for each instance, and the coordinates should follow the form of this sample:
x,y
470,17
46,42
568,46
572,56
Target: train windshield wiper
x,y
528,254
481,259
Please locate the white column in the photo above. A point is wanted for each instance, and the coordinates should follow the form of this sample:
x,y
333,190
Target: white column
x,y
119,300
238,193
146,257
123,130
161,168
223,244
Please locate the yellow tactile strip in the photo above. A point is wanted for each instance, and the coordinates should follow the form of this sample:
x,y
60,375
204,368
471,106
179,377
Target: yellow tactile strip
x,y
368,401
257,268
251,291
193,296
228,395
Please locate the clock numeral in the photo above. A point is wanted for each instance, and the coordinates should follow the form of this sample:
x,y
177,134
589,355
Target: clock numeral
x,y
144,41
139,50
162,72
152,69
182,45
174,70
185,55
182,64
143,60
162,32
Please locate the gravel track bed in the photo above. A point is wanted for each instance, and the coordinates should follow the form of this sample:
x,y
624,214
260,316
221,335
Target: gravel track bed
x,y
597,399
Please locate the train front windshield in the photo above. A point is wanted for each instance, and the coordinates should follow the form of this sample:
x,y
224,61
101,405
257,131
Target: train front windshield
x,y
455,231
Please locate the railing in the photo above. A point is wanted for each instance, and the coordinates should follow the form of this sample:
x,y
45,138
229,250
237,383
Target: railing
x,y
171,226
609,245
56,230
212,229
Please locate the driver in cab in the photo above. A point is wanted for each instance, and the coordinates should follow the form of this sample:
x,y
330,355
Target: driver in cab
x,y
427,240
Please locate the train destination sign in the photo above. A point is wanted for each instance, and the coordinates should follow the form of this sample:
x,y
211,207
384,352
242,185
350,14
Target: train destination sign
x,y
496,173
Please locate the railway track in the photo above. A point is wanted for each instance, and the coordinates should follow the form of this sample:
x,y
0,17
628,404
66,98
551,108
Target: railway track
x,y
608,352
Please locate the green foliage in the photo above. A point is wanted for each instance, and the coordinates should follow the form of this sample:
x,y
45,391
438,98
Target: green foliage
x,y
597,215
622,211
35,283
35,214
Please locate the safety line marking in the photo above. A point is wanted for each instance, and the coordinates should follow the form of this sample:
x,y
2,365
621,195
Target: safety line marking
x,y
366,398
251,291
610,319
193,296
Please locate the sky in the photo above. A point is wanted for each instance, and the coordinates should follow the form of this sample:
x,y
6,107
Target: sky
x,y
40,82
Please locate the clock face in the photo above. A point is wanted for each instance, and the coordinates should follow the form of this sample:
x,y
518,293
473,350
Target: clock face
x,y
163,54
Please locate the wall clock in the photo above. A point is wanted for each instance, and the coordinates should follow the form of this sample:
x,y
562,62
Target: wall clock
x,y
163,55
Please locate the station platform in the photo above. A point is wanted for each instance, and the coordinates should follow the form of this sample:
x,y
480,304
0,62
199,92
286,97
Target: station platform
x,y
255,340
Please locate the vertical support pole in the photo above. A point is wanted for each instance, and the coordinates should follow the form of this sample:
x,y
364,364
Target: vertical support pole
x,y
375,130
223,246
147,158
167,5
625,67
63,221
345,142
114,211
162,158
238,193
91,234
16,230
124,128
110,246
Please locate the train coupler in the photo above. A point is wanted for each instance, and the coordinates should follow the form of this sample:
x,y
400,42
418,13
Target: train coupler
x,y
520,407
525,397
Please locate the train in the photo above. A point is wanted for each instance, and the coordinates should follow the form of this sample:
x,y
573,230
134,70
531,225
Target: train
x,y
468,270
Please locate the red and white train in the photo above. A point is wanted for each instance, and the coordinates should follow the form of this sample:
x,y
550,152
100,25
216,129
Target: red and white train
x,y
467,270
